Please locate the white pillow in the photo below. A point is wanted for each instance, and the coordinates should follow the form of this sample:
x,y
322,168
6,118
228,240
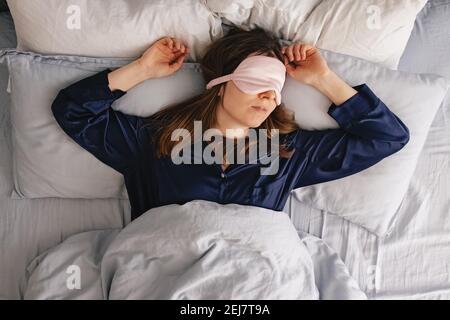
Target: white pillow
x,y
117,28
235,12
47,163
376,30
280,16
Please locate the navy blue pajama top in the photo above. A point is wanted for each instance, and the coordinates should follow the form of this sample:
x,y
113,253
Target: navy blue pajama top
x,y
368,132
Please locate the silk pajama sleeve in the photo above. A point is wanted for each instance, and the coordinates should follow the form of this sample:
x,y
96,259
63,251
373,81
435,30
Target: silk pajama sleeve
x,y
83,110
368,133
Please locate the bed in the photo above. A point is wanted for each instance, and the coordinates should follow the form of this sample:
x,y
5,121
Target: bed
x,y
411,263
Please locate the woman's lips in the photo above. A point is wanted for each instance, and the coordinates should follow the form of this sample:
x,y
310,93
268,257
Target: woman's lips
x,y
259,109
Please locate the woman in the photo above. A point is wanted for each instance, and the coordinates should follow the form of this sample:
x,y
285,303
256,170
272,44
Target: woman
x,y
140,148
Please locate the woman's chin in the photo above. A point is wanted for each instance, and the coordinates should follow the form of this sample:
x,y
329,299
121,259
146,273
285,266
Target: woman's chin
x,y
252,121
256,124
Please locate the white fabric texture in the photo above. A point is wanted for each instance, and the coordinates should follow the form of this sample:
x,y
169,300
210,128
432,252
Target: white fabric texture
x,y
199,250
376,30
118,28
283,17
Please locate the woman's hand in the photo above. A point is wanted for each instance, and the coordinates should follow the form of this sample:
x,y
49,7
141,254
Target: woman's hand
x,y
164,57
304,63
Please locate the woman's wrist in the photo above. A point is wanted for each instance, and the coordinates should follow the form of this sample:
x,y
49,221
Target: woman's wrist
x,y
318,80
331,85
146,70
129,76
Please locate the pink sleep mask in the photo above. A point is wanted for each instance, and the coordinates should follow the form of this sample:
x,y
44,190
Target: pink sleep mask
x,y
256,74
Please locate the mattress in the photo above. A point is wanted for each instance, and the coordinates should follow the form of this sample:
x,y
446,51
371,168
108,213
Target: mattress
x,y
412,262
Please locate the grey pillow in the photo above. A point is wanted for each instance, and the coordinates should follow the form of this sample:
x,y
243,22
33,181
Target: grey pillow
x,y
46,161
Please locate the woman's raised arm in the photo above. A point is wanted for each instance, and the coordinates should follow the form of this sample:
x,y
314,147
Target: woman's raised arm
x,y
83,110
368,133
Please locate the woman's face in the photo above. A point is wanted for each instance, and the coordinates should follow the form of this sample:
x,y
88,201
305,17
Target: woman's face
x,y
248,110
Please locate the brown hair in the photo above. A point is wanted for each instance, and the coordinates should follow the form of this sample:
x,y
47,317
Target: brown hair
x,y
222,57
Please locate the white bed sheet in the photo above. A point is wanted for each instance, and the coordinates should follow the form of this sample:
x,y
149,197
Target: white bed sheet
x,y
413,262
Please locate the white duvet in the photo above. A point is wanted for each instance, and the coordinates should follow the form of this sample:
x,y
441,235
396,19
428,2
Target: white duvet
x,y
199,250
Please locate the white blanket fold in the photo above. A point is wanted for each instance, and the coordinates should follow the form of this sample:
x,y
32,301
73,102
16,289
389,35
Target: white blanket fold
x,y
199,250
